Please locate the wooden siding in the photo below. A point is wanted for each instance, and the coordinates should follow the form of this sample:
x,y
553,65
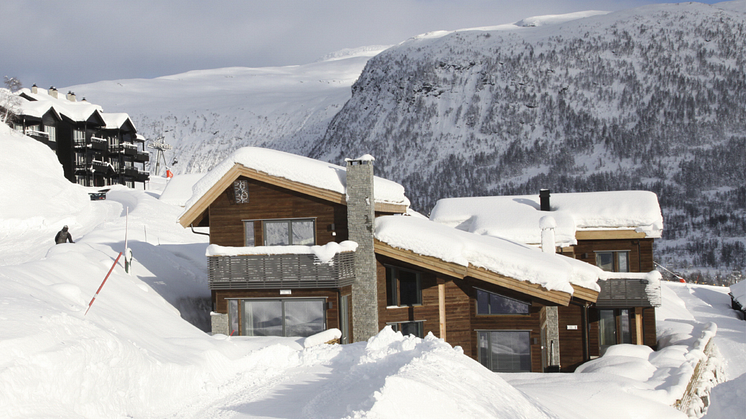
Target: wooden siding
x,y
572,342
640,252
649,333
462,322
272,202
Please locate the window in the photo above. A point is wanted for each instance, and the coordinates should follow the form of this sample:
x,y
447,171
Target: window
x,y
51,131
289,232
613,261
408,328
403,287
289,317
248,233
505,351
79,136
489,303
613,328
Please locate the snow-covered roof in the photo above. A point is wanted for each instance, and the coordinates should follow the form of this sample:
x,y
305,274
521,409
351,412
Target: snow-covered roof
x,y
116,120
517,217
738,291
295,168
501,256
77,111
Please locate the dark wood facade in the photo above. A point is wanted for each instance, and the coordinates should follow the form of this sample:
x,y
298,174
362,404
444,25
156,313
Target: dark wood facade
x,y
462,323
268,202
90,153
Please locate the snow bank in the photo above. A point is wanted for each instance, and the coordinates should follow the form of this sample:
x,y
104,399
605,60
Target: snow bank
x,y
517,217
395,376
296,168
324,253
424,237
36,198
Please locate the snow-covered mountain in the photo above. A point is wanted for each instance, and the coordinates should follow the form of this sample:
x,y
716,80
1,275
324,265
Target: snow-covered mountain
x,y
205,115
650,98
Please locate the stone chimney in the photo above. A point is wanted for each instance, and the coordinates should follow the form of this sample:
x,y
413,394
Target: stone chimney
x,y
360,223
53,92
544,200
71,96
34,89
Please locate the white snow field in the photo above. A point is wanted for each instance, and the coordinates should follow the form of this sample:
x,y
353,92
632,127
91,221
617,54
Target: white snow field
x,y
134,354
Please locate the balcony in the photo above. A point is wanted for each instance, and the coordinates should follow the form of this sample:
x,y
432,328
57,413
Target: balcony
x,y
129,149
98,143
626,289
280,271
142,156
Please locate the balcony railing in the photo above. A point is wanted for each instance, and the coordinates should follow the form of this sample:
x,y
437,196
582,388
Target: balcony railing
x,y
142,156
286,271
98,143
630,290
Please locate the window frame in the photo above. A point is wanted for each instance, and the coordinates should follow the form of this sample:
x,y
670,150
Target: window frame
x,y
615,259
488,363
237,307
289,222
476,304
393,287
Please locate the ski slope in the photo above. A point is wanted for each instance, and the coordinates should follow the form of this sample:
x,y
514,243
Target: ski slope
x,y
141,350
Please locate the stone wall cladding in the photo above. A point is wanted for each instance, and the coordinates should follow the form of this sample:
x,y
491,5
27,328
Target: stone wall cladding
x,y
360,219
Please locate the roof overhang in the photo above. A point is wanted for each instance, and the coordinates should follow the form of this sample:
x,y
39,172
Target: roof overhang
x,y
461,272
609,234
197,209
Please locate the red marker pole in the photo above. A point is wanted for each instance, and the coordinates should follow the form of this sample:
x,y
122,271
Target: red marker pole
x,y
102,284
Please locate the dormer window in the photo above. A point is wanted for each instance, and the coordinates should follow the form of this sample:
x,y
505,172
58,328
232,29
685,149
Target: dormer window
x,y
241,191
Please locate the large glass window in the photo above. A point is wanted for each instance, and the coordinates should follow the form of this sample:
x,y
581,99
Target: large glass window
x,y
505,351
289,232
289,317
490,303
403,287
613,261
613,327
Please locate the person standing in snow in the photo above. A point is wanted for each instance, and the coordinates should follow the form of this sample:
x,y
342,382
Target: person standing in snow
x,y
63,236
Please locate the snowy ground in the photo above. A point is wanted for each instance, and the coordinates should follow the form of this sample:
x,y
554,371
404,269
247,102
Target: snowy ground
x,y
135,355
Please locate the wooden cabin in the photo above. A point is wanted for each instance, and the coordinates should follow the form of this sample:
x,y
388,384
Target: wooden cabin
x,y
292,246
612,230
94,148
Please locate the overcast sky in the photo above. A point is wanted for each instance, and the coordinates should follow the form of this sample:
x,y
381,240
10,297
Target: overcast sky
x,y
63,43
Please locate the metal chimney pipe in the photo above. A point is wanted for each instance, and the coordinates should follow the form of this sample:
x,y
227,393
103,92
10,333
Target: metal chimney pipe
x,y
544,199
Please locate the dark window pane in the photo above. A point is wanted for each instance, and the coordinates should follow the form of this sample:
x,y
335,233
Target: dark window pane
x,y
391,294
606,329
409,290
624,325
504,305
411,328
605,261
483,302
